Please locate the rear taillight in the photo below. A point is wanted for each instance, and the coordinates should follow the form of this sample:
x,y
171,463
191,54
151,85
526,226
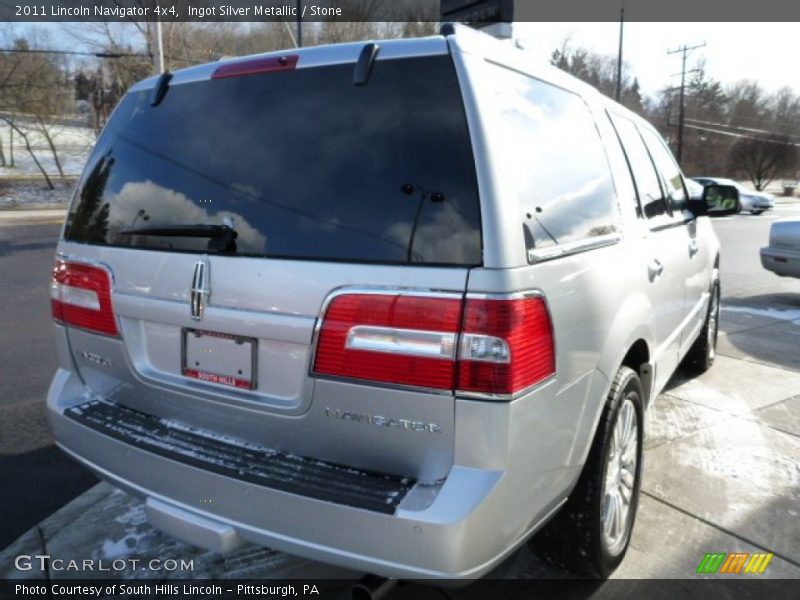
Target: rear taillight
x,y
409,340
486,345
506,345
81,297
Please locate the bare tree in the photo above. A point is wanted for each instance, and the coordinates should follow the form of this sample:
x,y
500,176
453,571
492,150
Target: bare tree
x,y
37,94
762,159
28,147
707,105
600,71
32,86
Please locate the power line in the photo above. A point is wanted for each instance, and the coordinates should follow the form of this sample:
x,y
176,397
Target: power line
x,y
746,129
72,52
735,134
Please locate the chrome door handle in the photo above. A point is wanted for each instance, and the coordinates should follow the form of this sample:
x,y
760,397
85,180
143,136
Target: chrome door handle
x,y
655,269
693,249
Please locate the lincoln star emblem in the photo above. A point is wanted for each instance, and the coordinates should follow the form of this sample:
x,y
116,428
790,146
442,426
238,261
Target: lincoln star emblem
x,y
200,289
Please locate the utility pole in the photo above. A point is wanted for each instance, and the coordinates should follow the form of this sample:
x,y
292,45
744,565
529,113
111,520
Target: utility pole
x,y
299,23
619,54
684,50
160,42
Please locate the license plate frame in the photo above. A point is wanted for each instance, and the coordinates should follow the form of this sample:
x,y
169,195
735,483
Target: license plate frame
x,y
238,370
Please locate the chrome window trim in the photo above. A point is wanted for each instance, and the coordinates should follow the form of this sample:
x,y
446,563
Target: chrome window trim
x,y
553,252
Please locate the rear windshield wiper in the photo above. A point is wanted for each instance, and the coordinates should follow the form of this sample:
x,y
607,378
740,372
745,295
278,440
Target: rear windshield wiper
x,y
222,238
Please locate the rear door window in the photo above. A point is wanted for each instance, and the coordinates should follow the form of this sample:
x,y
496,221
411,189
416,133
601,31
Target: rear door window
x,y
302,164
670,172
645,176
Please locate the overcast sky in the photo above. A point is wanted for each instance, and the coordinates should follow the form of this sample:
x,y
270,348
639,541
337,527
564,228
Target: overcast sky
x,y
765,52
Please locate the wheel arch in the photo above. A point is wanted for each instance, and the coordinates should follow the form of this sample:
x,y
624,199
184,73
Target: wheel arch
x,y
631,342
634,351
638,358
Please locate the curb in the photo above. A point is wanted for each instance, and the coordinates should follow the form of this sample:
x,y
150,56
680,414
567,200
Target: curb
x,y
38,215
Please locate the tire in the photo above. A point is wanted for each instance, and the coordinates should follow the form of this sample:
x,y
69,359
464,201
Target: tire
x,y
577,538
756,212
704,350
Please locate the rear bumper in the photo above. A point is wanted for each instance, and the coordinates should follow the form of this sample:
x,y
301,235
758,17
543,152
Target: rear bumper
x,y
461,533
785,263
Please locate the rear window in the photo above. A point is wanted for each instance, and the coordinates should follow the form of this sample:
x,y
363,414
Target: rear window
x,y
302,164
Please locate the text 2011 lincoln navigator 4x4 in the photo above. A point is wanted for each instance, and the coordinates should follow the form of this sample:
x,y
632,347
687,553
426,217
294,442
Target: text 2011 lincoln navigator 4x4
x,y
394,306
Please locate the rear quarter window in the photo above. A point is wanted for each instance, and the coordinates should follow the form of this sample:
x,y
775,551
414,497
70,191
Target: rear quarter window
x,y
303,164
555,156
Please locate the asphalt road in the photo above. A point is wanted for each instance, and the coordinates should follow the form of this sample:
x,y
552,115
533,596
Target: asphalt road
x,y
36,479
742,236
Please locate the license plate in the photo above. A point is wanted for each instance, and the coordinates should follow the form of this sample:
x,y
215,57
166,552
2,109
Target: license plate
x,y
219,358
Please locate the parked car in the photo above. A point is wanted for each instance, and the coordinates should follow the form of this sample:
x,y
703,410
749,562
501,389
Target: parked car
x,y
782,256
750,200
394,306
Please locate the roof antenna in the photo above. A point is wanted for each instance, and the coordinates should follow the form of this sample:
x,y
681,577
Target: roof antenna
x,y
364,65
160,89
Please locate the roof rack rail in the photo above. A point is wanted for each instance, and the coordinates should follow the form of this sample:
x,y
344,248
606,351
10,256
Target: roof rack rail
x,y
160,88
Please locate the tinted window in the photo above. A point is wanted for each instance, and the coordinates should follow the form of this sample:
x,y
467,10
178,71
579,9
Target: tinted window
x,y
555,157
670,172
644,174
303,163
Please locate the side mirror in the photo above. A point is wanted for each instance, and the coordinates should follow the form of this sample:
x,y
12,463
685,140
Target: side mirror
x,y
717,201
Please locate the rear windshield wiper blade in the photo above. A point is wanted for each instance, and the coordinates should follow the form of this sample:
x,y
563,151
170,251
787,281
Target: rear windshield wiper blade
x,y
201,231
222,238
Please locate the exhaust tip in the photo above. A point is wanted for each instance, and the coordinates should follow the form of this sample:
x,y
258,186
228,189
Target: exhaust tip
x,y
372,588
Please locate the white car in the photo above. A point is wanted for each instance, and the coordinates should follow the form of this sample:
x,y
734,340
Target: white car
x,y
750,200
782,256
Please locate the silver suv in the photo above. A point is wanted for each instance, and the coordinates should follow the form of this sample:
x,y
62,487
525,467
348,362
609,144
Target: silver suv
x,y
394,306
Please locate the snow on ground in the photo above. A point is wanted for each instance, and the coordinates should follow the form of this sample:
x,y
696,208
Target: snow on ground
x,y
34,193
72,142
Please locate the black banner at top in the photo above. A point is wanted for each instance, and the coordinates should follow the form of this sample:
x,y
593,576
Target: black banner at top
x,y
399,10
